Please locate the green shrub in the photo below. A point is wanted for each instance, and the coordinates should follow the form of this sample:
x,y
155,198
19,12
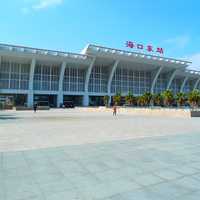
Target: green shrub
x,y
117,99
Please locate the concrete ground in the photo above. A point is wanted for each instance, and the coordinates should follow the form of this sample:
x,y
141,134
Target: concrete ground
x,y
74,154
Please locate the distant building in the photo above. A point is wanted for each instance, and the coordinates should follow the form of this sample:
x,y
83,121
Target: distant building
x,y
54,77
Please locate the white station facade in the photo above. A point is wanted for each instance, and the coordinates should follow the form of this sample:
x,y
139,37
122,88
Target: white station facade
x,y
55,77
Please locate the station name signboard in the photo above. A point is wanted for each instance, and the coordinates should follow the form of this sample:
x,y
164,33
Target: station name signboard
x,y
148,48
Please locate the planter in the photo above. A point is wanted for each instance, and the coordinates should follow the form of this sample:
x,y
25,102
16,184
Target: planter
x,y
8,107
43,108
195,113
24,108
21,108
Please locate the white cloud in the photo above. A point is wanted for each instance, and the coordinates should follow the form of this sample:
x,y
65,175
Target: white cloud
x,y
42,4
178,42
195,59
31,5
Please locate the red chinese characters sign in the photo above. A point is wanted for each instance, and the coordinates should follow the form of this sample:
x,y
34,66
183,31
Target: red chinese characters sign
x,y
148,48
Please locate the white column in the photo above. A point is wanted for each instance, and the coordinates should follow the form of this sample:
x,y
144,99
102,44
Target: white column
x,y
87,78
114,67
31,79
171,79
183,83
196,84
9,83
155,77
60,86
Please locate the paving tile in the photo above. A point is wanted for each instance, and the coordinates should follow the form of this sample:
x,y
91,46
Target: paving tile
x,y
96,166
43,178
79,180
67,194
168,174
67,167
110,175
170,190
191,196
107,190
156,168
16,172
148,179
55,186
186,170
189,183
142,194
22,189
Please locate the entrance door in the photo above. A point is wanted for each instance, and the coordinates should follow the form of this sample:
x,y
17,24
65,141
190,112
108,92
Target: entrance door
x,y
46,100
76,100
96,101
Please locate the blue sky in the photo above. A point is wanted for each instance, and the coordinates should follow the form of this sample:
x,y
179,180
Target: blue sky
x,y
69,25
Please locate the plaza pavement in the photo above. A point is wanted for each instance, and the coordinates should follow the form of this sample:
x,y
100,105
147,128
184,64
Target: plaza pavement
x,y
73,154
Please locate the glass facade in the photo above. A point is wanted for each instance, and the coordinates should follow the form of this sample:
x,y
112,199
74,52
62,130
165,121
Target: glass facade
x,y
161,83
74,79
98,79
14,75
46,77
188,86
128,77
176,85
127,80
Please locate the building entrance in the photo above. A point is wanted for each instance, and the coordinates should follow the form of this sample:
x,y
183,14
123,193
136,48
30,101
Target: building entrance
x,y
14,99
74,100
96,101
46,100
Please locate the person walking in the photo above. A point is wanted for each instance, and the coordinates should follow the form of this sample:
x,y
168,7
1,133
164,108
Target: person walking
x,y
35,107
114,110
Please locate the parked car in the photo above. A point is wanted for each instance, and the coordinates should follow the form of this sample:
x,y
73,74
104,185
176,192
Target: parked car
x,y
69,104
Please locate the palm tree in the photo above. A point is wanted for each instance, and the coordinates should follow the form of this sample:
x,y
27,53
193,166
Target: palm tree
x,y
157,99
106,100
141,100
117,98
168,97
181,98
129,98
147,96
194,98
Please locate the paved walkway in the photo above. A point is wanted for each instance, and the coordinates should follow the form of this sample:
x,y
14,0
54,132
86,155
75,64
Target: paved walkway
x,y
145,166
26,130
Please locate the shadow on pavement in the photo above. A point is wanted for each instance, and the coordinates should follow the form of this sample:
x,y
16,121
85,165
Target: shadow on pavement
x,y
7,117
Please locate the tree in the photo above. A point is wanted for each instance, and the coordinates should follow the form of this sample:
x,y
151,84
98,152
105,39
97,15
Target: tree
x,y
181,98
194,98
168,97
106,100
141,100
147,97
117,98
157,99
129,98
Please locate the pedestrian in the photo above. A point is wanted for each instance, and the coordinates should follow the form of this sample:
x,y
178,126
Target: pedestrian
x,y
114,110
35,107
